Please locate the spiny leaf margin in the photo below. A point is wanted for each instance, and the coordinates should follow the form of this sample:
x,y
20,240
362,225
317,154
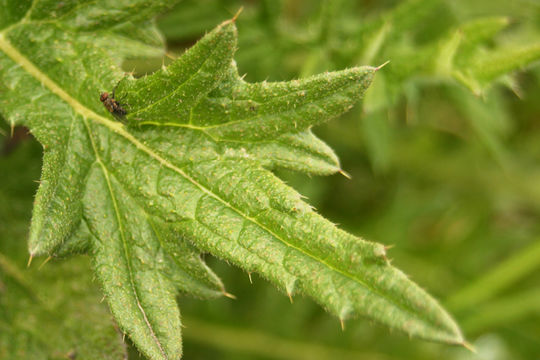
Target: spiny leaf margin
x,y
285,206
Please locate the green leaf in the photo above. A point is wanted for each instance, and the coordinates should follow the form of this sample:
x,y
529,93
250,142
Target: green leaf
x,y
476,67
191,165
169,95
502,276
490,65
54,313
302,152
127,263
480,30
487,118
129,41
504,311
250,112
377,134
249,341
196,17
236,110
49,312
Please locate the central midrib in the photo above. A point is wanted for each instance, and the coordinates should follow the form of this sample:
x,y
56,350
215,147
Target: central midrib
x,y
119,129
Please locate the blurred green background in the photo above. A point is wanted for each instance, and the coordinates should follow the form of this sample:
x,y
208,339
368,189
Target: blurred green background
x,y
444,158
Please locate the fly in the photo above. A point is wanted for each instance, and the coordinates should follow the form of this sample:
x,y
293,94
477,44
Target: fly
x,y
112,105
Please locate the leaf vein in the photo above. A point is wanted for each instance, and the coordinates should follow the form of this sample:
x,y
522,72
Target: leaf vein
x,y
120,130
124,243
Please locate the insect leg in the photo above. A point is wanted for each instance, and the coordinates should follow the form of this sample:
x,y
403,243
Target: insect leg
x,y
118,83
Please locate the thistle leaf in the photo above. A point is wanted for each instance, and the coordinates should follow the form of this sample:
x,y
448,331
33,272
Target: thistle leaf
x,y
190,169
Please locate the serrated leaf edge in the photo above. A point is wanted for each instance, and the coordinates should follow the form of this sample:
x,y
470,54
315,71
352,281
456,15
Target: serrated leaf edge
x,y
122,235
120,129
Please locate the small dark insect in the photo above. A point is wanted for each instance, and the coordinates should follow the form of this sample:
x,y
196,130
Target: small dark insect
x,y
112,105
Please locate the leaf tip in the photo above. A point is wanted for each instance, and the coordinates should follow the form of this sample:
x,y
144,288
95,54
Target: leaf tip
x,y
467,345
344,173
344,314
237,14
232,20
388,247
30,260
290,297
289,288
382,65
45,262
229,295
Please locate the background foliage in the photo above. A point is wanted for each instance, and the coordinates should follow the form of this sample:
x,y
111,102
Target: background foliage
x,y
443,157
